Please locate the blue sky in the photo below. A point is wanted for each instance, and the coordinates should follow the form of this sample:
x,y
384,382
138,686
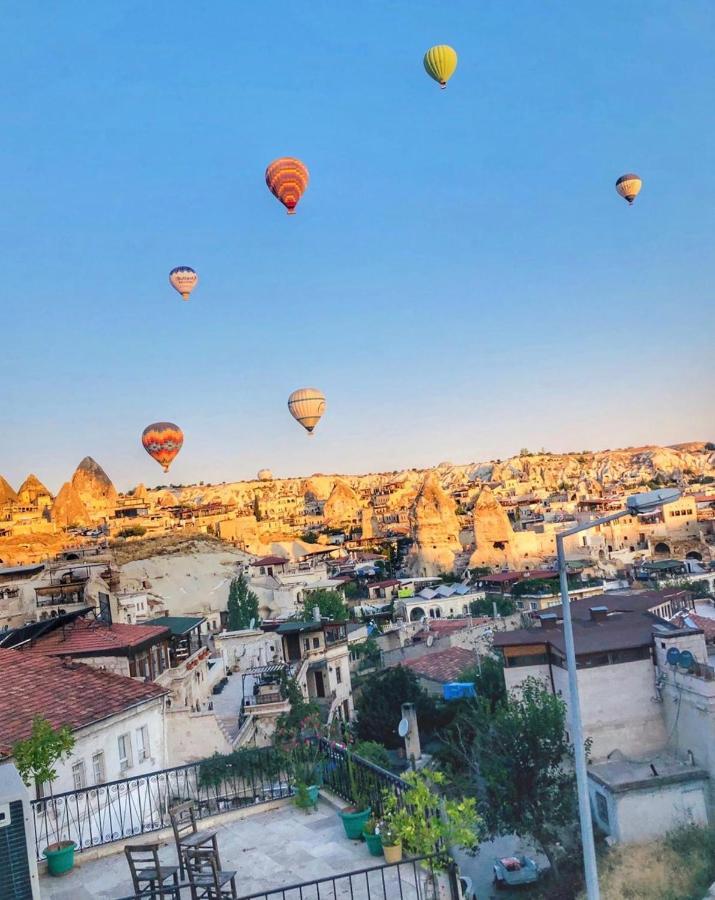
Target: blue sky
x,y
461,278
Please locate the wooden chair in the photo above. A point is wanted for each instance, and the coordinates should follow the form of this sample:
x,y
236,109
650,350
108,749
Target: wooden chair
x,y
207,880
148,876
186,833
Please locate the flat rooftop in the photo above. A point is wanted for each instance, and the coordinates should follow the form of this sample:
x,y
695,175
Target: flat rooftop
x,y
268,850
620,775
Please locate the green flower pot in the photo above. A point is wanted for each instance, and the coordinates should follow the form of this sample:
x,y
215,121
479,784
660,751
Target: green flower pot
x,y
60,857
354,822
374,843
313,791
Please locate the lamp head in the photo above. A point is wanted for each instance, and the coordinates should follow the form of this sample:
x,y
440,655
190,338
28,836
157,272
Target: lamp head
x,y
651,501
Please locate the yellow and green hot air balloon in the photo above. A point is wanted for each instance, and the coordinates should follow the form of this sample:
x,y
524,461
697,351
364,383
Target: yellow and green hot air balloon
x,y
440,62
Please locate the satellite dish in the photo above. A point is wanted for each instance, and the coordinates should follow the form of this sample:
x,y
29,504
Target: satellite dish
x,y
673,656
253,624
403,728
430,640
687,660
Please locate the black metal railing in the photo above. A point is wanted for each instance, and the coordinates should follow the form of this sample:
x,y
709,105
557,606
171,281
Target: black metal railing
x,y
370,780
421,878
132,806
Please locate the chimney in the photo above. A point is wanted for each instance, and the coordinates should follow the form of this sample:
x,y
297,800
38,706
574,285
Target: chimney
x,y
413,749
316,614
549,620
598,613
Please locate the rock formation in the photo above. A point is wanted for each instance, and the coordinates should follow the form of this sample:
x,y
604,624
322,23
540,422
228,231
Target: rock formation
x,y
68,508
93,486
33,492
434,528
342,506
7,495
493,534
140,492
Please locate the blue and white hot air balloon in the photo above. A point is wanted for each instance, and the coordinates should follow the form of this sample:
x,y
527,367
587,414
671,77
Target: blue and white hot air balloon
x,y
183,279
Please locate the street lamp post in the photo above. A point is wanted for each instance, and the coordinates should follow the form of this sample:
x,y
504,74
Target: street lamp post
x,y
638,504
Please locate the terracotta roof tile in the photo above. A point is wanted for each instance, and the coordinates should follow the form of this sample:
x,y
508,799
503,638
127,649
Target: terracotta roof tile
x,y
63,693
88,636
444,666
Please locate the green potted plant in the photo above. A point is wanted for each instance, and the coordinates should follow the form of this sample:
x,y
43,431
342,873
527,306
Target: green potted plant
x,y
354,817
390,839
35,759
306,780
372,836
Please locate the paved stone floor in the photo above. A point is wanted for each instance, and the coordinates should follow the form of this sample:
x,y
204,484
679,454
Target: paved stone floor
x,y
268,850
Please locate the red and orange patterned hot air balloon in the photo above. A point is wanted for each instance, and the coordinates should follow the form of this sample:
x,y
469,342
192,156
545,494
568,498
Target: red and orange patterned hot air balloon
x,y
162,441
287,179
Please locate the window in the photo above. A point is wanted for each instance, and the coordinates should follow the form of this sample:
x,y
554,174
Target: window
x,y
79,776
316,643
142,743
338,674
98,771
124,742
602,807
306,644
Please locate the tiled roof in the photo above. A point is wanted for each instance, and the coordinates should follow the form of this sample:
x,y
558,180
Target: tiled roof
x,y
693,620
90,636
63,693
389,582
447,626
269,561
444,666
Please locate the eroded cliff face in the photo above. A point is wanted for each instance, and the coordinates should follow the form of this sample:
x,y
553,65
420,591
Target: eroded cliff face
x,y
434,529
7,494
493,533
68,508
94,486
32,491
342,506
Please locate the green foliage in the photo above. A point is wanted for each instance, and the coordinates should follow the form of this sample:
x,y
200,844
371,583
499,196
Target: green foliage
x,y
485,607
330,603
373,752
425,824
518,755
351,590
36,756
257,508
379,706
242,605
247,762
132,531
301,798
368,652
302,716
694,848
489,682
310,537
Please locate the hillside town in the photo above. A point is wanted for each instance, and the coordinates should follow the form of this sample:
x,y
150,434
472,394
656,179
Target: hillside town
x,y
164,626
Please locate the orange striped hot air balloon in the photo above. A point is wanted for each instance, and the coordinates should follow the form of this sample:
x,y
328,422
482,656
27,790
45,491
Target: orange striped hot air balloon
x,y
162,441
629,186
287,179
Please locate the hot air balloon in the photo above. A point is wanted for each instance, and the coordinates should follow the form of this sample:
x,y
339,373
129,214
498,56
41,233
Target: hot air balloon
x,y
307,406
287,179
440,63
162,441
184,279
629,186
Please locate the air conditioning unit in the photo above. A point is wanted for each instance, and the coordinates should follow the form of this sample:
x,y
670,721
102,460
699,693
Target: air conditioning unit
x,y
18,865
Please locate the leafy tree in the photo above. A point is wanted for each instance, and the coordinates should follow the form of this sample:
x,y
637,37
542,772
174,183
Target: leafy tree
x,y
373,752
489,682
36,756
310,537
256,508
379,706
242,605
485,607
330,603
303,715
518,759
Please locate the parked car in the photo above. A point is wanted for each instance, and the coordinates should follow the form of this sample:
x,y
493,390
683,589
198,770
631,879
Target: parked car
x,y
514,870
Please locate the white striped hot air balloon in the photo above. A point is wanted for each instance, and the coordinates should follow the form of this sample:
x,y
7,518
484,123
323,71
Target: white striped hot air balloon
x,y
629,186
307,406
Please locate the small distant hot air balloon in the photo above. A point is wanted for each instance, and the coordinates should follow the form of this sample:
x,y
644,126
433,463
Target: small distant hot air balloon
x,y
629,186
287,179
307,406
440,63
162,441
184,279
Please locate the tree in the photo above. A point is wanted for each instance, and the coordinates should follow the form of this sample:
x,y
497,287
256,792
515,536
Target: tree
x,y
379,706
330,603
36,756
373,752
256,508
242,605
310,537
485,606
519,761
488,680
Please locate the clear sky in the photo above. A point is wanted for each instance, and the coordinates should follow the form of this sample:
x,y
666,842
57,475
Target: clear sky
x,y
461,278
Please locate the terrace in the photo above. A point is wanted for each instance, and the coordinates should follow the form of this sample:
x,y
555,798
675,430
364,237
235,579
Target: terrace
x,y
278,851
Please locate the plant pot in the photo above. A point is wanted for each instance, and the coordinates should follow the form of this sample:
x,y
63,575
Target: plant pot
x,y
354,822
393,853
313,790
60,857
374,843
